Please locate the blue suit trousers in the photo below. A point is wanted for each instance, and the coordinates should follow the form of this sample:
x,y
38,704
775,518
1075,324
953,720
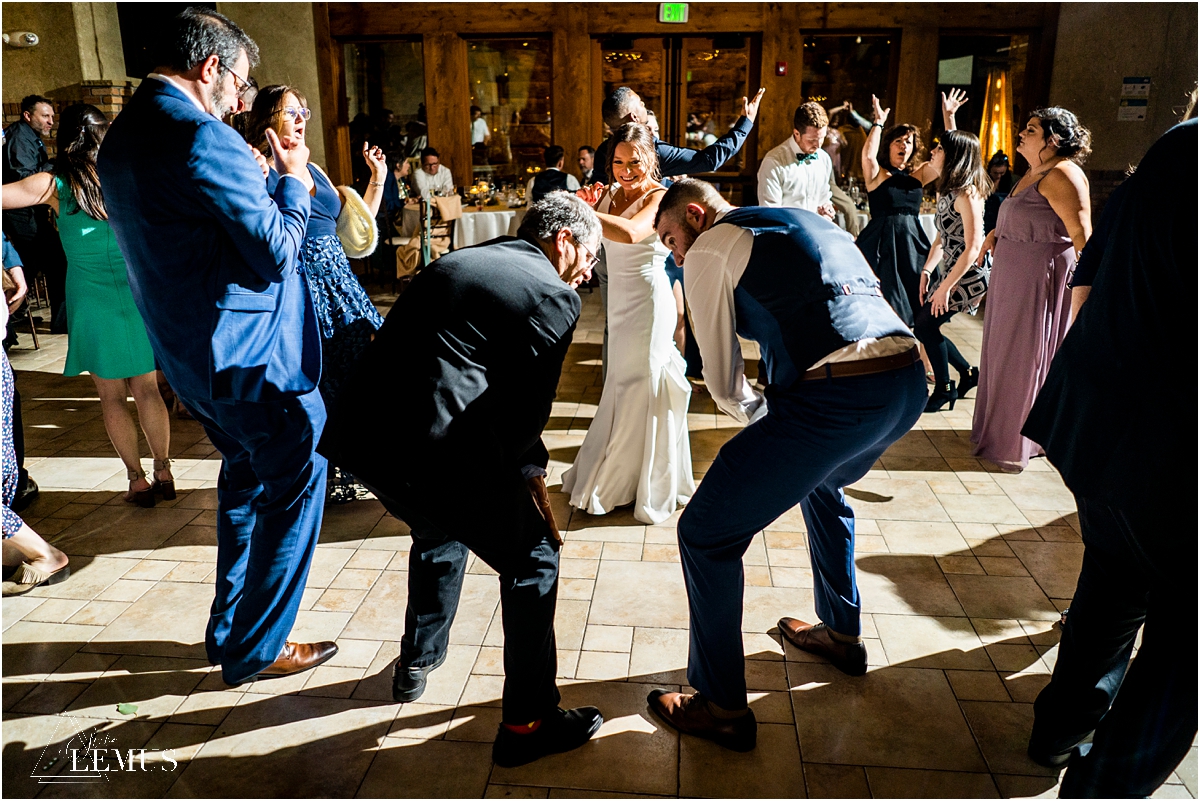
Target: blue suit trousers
x,y
817,437
270,500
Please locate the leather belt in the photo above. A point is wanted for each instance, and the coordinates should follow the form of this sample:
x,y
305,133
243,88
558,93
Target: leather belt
x,y
880,364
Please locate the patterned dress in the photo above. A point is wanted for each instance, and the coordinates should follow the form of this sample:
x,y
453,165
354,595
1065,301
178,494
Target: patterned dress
x,y
968,293
10,521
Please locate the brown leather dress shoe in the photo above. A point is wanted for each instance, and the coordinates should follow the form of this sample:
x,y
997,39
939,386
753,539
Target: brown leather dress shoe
x,y
690,714
297,657
848,657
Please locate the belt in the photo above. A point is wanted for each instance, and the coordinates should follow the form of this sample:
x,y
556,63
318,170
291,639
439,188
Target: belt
x,y
881,364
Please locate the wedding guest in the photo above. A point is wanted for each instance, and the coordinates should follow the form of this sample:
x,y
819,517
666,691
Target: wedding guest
x,y
1104,433
1045,222
347,318
893,241
587,161
951,282
798,172
35,561
212,261
551,179
466,367
30,230
27,489
636,450
844,381
433,180
108,338
481,135
1000,173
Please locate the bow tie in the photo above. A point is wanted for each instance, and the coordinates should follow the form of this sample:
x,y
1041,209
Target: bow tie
x,y
805,158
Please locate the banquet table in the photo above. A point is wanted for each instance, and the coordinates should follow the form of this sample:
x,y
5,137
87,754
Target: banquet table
x,y
926,221
478,225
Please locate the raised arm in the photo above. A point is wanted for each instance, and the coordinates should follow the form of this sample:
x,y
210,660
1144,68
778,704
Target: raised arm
x,y
685,161
32,191
870,161
951,104
378,164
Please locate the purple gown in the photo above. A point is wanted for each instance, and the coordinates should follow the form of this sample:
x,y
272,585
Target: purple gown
x,y
1028,309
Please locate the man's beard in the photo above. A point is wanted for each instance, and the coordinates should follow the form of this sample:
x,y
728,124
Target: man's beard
x,y
688,235
220,103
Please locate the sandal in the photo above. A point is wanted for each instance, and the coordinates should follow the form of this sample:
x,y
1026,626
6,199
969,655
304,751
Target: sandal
x,y
165,488
143,498
26,578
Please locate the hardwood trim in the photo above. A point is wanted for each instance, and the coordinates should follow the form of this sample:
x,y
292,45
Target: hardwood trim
x,y
331,73
571,90
446,102
917,78
782,40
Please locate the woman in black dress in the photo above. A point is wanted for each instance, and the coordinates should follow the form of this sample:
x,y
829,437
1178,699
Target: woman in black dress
x,y
893,242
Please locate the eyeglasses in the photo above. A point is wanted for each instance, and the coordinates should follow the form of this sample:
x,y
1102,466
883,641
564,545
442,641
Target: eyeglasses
x,y
240,84
593,259
294,112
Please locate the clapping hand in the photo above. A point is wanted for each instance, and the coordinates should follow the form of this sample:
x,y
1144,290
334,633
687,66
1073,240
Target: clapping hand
x,y
591,194
879,114
954,102
750,107
376,161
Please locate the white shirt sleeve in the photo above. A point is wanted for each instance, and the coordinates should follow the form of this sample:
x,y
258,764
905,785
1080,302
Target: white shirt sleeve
x,y
715,264
572,183
824,191
770,182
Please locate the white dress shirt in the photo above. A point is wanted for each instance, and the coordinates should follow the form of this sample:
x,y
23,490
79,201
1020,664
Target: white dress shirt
x,y
430,185
479,131
572,182
713,267
784,181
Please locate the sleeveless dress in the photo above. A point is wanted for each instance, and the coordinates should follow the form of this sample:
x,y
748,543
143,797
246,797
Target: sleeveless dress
x,y
637,447
345,313
894,243
1028,310
107,336
968,293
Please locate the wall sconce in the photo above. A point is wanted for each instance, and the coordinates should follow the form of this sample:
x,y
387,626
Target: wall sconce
x,y
21,39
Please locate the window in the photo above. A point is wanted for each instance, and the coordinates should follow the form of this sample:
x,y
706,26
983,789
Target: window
x,y
385,97
510,85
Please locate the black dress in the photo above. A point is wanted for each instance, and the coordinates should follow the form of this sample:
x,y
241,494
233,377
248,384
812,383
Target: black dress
x,y
894,243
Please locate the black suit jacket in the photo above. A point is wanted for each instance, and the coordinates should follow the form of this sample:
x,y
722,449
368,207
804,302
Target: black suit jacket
x,y
1124,380
24,155
451,397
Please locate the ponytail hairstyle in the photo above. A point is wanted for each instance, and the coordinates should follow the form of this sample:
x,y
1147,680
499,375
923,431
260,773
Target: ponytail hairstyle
x,y
1074,141
81,129
963,165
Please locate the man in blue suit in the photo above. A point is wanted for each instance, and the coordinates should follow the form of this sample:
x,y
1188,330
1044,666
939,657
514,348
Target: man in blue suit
x,y
212,265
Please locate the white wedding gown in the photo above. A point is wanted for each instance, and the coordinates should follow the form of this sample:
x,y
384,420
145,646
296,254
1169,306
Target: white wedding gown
x,y
637,448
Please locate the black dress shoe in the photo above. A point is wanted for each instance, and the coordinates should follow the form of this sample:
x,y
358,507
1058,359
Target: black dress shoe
x,y
562,730
26,495
1047,758
409,683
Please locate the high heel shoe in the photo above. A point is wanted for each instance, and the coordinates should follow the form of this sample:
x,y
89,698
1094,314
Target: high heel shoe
x,y
165,488
143,498
943,395
968,382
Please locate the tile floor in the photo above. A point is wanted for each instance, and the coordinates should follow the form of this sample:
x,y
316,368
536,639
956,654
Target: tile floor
x,y
963,572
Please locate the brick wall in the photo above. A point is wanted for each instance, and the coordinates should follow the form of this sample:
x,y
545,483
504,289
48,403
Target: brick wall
x,y
108,96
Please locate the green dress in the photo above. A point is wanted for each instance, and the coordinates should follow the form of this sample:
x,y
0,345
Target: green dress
x,y
107,337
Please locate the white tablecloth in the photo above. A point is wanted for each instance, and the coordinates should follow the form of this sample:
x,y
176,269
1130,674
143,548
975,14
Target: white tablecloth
x,y
927,224
480,226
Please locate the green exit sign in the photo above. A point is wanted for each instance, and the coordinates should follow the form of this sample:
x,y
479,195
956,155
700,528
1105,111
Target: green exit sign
x,y
672,12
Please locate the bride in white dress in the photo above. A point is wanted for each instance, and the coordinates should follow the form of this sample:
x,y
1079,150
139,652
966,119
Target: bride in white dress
x,y
636,449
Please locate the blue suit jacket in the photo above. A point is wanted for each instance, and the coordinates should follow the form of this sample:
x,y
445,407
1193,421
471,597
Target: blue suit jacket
x,y
212,258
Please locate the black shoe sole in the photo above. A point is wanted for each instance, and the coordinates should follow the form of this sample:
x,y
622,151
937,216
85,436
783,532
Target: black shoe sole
x,y
408,696
533,756
733,744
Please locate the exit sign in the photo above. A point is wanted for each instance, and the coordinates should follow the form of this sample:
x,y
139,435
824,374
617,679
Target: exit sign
x,y
672,12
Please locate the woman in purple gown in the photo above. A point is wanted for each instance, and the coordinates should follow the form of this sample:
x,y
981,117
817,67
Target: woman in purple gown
x,y
1041,228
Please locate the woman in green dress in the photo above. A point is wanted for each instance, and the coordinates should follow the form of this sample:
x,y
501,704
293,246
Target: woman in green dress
x,y
107,337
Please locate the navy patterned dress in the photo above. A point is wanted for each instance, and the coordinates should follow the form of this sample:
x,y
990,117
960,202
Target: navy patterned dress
x,y
10,521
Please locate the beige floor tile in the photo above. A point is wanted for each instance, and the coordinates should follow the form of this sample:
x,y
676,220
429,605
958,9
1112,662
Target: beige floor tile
x,y
338,600
55,610
490,662
475,724
381,615
1002,597
389,534
99,613
659,656
1016,656
891,717
419,721
1054,565
206,708
901,783
990,547
801,577
757,576
771,770
351,579
428,769
355,653
567,662
788,557
126,590
510,791
981,509
762,607
910,537
369,560
1042,491
626,551
659,599
627,737
194,572
1024,686
190,544
329,681
1002,566
326,564
89,578
169,620
573,589
602,666
575,549
123,531
48,697
994,630
836,781
977,685
889,499
781,540
16,607
931,642
766,675
445,685
156,685
579,568
151,569
282,765
1026,786
1003,734
660,552
570,621
960,564
608,638
905,585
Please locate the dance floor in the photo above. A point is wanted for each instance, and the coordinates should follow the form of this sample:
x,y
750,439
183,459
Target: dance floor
x,y
963,574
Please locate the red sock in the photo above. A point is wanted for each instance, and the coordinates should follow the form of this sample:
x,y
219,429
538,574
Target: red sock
x,y
523,728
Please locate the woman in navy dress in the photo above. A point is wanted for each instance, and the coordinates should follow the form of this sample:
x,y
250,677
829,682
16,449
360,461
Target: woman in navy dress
x,y
347,318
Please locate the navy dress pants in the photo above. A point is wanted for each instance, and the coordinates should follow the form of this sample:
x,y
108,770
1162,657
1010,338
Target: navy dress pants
x,y
1139,568
270,500
816,438
503,527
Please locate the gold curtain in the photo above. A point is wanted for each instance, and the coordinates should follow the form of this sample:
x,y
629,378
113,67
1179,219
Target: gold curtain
x,y
996,130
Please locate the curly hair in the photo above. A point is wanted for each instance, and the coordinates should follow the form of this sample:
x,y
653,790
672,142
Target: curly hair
x,y
642,141
810,114
1074,140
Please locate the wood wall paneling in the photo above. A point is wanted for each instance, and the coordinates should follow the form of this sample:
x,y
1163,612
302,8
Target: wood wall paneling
x,y
918,76
571,98
781,41
330,72
447,102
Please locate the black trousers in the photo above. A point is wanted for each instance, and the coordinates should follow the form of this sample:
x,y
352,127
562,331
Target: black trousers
x,y
1139,568
516,544
941,351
